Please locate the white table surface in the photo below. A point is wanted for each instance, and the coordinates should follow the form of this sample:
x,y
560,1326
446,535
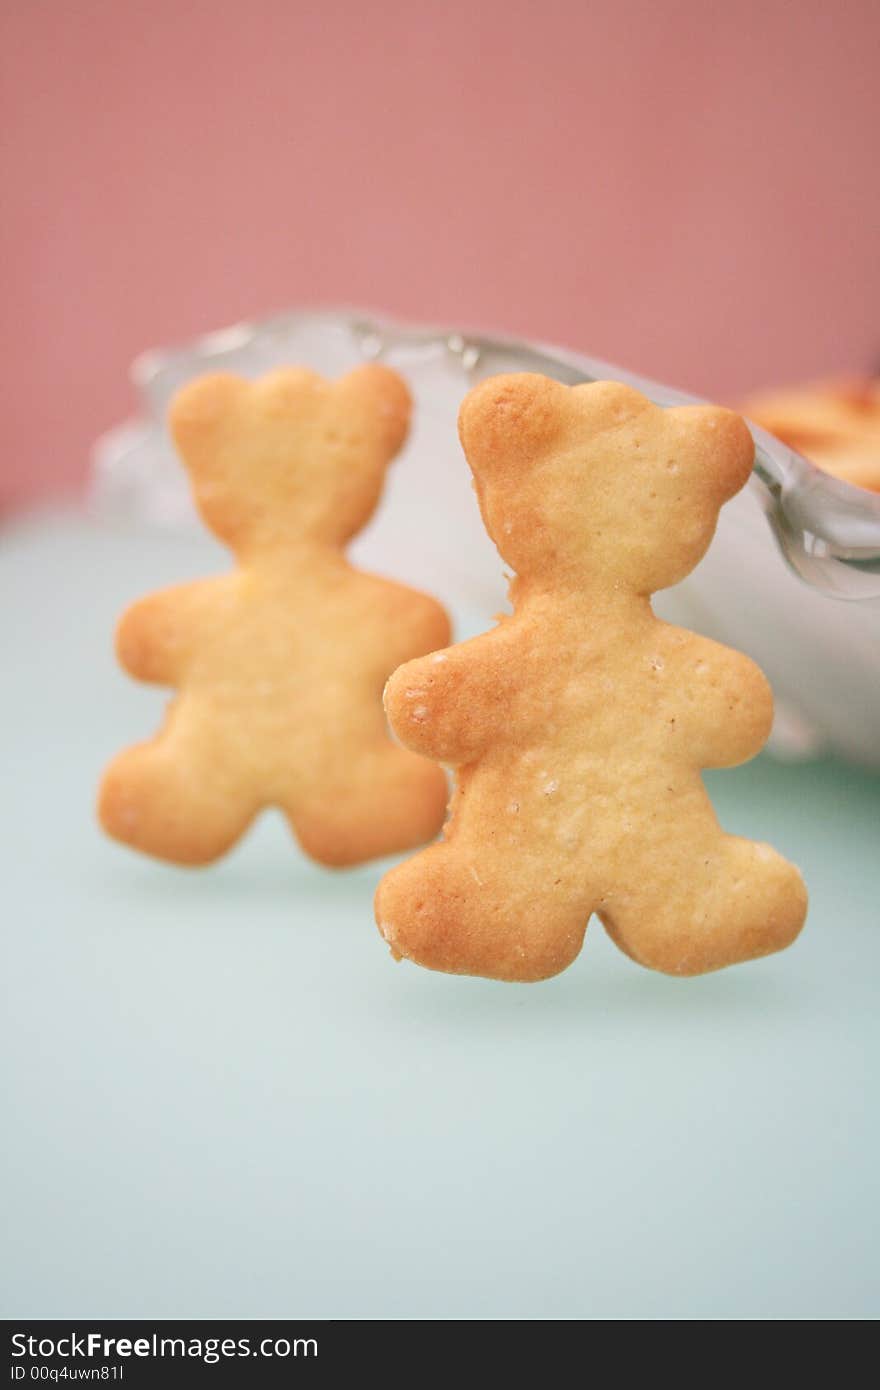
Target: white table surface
x,y
223,1099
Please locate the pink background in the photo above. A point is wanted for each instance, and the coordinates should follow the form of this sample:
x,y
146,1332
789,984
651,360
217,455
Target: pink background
x,y
690,189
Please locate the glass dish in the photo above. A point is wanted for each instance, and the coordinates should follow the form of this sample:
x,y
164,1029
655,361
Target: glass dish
x,y
792,576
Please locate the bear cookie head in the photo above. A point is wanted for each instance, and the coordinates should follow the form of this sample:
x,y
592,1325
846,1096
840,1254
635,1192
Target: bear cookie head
x,y
526,437
289,458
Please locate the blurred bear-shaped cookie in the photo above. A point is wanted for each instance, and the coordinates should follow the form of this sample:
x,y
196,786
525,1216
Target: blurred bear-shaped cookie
x,y
279,665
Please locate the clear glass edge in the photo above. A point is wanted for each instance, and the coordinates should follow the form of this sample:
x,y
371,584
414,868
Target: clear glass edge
x,y
827,529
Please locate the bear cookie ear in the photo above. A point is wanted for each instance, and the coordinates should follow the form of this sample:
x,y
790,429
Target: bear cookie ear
x,y
508,422
383,398
716,445
200,411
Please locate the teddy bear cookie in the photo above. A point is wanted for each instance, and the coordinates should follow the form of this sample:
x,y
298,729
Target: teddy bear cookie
x,y
279,665
578,726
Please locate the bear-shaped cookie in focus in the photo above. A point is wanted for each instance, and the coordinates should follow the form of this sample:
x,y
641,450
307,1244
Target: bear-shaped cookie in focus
x,y
577,727
280,664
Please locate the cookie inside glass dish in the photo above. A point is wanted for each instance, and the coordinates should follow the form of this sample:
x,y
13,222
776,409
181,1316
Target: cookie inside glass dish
x,y
835,424
792,577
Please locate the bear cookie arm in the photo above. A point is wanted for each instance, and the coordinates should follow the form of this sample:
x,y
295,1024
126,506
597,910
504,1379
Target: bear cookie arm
x,y
578,727
279,665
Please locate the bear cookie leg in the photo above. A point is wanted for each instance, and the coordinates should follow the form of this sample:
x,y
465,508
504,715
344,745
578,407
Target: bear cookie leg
x,y
392,801
167,802
749,902
445,910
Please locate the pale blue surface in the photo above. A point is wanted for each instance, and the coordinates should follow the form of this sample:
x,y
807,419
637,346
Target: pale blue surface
x,y
223,1099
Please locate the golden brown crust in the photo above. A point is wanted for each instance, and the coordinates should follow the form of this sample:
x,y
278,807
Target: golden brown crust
x,y
578,727
836,424
279,665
